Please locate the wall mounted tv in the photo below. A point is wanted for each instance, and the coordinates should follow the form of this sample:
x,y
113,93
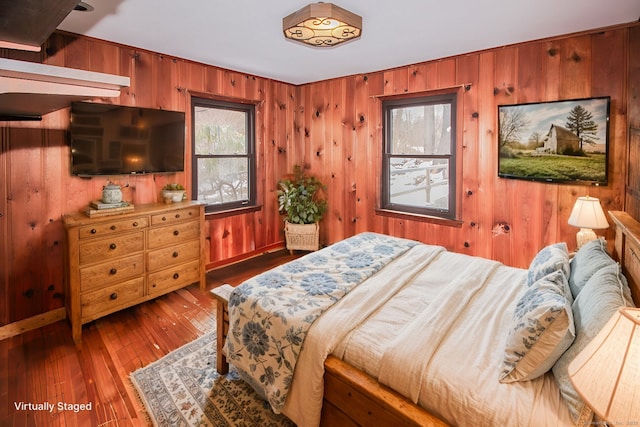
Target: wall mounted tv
x,y
116,140
558,141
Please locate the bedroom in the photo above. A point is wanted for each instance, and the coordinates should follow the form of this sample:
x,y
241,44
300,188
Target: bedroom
x,y
333,126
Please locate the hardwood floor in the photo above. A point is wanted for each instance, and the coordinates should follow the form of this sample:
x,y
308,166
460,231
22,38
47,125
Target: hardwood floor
x,y
45,367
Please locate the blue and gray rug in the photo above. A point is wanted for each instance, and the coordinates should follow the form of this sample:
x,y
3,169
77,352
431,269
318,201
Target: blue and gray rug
x,y
184,389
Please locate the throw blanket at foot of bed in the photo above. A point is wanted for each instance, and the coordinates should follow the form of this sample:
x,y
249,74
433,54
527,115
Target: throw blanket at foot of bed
x,y
270,314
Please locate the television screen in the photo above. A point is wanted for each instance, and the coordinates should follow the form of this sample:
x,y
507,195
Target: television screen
x,y
115,140
558,141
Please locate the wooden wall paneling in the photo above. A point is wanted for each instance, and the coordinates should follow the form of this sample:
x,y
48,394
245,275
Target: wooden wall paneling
x,y
538,210
575,82
487,156
366,149
142,82
363,154
341,160
279,115
5,242
446,72
164,75
609,79
55,169
127,68
26,195
396,81
505,226
467,73
632,199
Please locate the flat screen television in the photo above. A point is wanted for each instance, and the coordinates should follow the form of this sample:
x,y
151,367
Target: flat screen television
x,y
117,140
558,141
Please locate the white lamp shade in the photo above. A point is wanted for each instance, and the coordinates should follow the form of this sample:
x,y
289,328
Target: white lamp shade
x,y
606,373
587,213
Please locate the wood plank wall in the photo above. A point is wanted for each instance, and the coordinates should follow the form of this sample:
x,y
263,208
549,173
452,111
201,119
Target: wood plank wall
x,y
334,127
37,188
339,132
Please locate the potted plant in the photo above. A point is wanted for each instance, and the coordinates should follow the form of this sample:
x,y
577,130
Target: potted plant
x,y
301,198
173,193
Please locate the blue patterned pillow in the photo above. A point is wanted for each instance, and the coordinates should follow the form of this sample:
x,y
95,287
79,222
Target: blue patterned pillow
x,y
605,291
541,331
553,257
589,259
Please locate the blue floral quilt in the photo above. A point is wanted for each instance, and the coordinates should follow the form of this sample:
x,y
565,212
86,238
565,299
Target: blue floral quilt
x,y
270,314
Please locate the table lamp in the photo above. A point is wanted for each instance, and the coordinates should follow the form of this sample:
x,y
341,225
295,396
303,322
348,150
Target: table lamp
x,y
587,214
606,373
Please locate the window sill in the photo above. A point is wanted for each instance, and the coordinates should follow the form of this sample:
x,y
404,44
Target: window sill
x,y
232,212
420,218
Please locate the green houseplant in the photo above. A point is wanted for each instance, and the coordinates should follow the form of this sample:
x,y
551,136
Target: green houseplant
x,y
301,197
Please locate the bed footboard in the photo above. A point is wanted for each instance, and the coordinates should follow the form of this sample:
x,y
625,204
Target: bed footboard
x,y
353,398
221,293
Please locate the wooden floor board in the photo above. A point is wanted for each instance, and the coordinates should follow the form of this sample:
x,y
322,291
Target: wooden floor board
x,y
44,365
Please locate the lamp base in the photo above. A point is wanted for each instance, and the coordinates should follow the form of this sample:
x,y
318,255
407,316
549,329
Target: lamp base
x,y
584,236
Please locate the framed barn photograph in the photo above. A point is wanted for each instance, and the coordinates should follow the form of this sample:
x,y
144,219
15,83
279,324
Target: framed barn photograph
x,y
558,141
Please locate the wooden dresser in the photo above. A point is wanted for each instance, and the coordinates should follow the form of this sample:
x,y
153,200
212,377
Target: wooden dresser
x,y
117,261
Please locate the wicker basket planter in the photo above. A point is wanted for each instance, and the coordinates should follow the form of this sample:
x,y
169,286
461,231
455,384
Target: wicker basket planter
x,y
303,237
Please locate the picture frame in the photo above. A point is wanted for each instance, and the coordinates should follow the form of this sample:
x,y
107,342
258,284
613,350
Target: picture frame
x,y
565,141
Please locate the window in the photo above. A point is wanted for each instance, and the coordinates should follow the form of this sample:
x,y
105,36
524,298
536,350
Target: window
x,y
223,154
419,167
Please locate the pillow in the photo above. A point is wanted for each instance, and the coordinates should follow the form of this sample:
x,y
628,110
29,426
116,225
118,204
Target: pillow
x,y
542,329
599,299
590,258
553,257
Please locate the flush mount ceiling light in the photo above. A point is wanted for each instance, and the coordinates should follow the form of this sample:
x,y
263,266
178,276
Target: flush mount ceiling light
x,y
322,25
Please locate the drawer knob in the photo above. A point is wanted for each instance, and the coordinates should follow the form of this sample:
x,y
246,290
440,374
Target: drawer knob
x,y
94,231
177,215
176,275
113,271
176,232
164,218
113,227
113,296
135,224
175,254
112,246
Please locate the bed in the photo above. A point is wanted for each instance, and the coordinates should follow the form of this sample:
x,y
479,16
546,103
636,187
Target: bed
x,y
401,333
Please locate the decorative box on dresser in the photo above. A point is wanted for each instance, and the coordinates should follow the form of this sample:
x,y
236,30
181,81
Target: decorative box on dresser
x,y
116,261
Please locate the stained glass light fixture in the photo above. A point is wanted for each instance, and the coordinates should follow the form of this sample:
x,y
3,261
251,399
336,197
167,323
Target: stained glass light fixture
x,y
322,25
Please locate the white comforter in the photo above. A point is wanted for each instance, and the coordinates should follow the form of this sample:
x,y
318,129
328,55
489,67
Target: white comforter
x,y
435,329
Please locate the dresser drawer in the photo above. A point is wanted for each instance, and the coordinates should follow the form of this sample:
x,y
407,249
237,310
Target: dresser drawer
x,y
111,247
177,254
111,272
173,278
175,216
108,228
172,234
112,298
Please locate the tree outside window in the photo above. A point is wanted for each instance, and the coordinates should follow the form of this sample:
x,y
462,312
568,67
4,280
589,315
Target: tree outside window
x,y
223,154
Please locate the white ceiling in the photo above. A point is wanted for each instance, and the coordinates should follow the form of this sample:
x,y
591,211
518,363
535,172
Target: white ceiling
x,y
246,35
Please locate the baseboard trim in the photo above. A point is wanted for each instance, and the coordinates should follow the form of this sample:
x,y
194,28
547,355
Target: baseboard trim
x,y
31,323
239,258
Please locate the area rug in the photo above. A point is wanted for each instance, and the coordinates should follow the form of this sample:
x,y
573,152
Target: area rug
x,y
184,389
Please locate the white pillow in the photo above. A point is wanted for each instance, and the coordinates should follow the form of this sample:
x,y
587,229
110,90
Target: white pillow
x,y
541,331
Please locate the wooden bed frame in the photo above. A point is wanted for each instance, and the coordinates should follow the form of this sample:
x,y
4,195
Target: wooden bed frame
x,y
353,398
